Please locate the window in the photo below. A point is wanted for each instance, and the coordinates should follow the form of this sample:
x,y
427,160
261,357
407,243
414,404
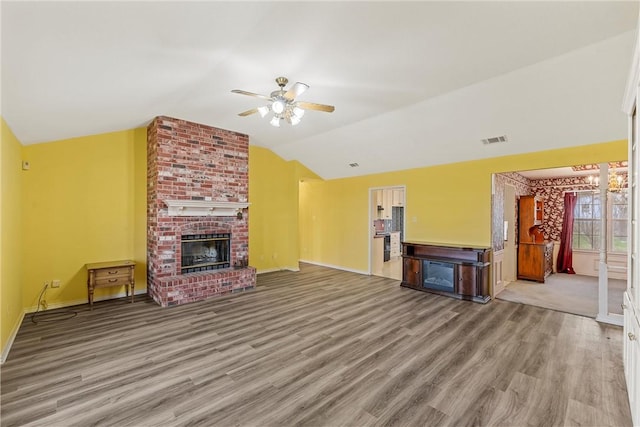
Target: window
x,y
586,222
618,222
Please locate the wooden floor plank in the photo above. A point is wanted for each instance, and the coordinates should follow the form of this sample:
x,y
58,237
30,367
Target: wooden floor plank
x,y
316,347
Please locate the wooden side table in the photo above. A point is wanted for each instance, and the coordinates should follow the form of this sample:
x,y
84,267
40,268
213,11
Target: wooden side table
x,y
108,274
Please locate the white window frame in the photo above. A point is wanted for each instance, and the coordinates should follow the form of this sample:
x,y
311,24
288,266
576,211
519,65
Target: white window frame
x,y
609,228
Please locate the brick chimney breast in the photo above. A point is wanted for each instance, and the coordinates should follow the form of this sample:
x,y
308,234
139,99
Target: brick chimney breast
x,y
191,162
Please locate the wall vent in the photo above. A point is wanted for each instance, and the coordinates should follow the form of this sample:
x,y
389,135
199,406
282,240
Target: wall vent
x,y
495,139
354,165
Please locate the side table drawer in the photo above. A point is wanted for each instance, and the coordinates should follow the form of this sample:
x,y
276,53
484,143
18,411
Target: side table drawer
x,y
111,280
112,272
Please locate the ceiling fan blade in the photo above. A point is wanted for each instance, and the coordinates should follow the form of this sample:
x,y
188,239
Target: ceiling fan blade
x,y
318,107
296,90
248,112
257,95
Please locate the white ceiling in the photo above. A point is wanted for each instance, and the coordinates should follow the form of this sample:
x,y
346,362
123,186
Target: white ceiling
x,y
414,83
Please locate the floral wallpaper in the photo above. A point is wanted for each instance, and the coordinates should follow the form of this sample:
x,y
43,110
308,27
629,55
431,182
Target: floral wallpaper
x,y
595,167
521,184
552,191
522,187
497,217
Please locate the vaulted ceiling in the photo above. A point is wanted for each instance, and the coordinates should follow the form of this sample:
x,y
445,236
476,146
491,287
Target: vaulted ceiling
x,y
414,83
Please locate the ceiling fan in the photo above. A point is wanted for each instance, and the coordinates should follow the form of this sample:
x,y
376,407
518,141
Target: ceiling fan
x,y
283,103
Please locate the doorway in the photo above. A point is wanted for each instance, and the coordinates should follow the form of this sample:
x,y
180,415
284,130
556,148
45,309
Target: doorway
x,y
599,234
387,231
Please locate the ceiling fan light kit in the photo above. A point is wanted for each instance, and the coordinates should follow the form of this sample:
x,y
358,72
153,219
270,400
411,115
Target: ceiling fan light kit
x,y
263,111
283,104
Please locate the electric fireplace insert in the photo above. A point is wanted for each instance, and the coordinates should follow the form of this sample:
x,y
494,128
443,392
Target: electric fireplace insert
x,y
438,275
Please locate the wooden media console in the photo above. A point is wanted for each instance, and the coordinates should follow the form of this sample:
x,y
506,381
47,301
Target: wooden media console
x,y
451,270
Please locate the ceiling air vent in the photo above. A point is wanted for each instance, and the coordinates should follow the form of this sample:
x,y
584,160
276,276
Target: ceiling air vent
x,y
495,139
354,165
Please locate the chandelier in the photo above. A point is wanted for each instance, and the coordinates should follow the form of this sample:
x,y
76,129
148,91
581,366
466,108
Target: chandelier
x,y
615,182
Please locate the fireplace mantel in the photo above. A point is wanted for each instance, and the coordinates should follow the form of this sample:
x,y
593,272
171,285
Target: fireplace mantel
x,y
204,208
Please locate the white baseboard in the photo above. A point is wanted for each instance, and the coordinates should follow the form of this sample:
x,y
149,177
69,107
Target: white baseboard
x,y
337,267
14,332
64,304
12,336
271,270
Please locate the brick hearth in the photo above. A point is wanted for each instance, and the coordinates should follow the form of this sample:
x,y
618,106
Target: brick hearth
x,y
193,162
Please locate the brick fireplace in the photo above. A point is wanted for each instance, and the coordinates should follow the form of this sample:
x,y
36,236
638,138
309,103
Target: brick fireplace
x,y
197,185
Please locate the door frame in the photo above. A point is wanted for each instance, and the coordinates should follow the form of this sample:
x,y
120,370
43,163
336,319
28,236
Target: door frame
x,y
512,254
602,314
373,210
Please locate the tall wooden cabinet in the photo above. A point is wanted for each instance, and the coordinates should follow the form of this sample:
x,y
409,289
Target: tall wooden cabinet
x,y
535,256
530,211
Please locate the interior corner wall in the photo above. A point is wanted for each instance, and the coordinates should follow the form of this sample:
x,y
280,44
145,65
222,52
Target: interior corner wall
x,y
84,201
444,204
10,234
273,213
139,188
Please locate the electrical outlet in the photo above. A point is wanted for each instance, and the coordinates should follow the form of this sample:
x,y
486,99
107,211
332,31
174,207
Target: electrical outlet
x,y
55,283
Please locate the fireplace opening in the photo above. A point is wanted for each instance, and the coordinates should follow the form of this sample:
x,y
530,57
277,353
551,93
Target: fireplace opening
x,y
438,275
202,252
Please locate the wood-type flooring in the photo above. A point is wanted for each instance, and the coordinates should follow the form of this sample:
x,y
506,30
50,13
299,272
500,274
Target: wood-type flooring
x,y
319,347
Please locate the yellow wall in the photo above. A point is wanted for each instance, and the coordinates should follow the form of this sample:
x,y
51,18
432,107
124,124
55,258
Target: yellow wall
x,y
84,201
444,204
273,214
10,231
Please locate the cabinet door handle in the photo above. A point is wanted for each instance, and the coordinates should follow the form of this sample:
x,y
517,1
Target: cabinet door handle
x,y
113,272
113,280
632,337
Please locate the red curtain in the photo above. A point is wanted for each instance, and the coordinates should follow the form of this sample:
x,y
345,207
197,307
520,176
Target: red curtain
x,y
565,255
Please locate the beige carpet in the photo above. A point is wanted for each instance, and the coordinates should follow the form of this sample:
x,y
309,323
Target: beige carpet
x,y
570,293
